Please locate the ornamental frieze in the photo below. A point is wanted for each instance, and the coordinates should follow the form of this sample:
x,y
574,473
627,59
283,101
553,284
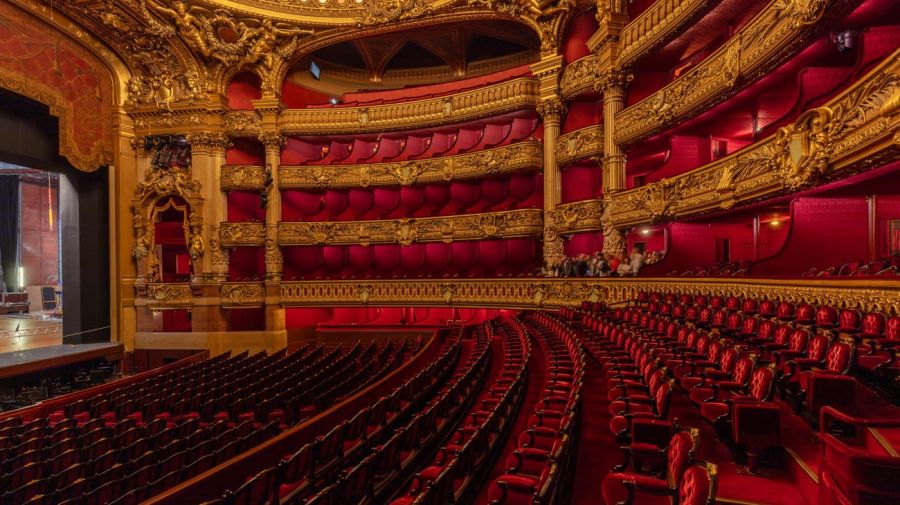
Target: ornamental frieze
x,y
521,156
508,224
242,294
580,145
579,76
242,177
486,101
865,295
242,234
162,296
775,34
855,131
575,217
657,25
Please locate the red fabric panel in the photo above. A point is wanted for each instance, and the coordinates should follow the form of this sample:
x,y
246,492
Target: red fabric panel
x,y
297,317
463,257
176,320
301,261
463,194
491,254
522,254
690,245
524,186
523,128
359,258
581,181
298,97
169,233
387,257
246,263
242,90
686,153
583,243
494,191
335,203
248,319
653,240
245,152
772,236
360,202
580,29
182,264
824,232
384,200
298,152
333,258
244,206
411,199
412,258
645,84
299,205
436,197
583,113
437,257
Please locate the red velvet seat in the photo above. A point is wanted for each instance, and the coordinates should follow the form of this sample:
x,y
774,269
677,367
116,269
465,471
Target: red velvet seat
x,y
622,486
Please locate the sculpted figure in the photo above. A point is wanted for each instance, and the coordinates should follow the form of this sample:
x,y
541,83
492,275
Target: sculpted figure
x,y
189,26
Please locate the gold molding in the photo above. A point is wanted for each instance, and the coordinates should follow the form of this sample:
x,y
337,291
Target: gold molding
x,y
242,177
521,156
576,217
855,131
242,294
654,27
776,33
546,292
237,234
580,144
508,224
165,296
487,101
579,76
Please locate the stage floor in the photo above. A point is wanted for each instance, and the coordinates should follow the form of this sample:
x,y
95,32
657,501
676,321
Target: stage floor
x,y
43,358
33,333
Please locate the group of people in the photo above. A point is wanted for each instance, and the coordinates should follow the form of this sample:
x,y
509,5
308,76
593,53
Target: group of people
x,y
600,264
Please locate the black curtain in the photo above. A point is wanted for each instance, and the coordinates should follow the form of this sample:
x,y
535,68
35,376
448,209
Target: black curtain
x,y
9,229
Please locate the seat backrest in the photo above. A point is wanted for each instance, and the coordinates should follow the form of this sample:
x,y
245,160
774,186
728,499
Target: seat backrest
x,y
768,308
782,334
799,340
743,369
762,383
840,357
818,347
849,320
806,313
680,454
749,306
873,324
892,331
786,310
826,316
698,485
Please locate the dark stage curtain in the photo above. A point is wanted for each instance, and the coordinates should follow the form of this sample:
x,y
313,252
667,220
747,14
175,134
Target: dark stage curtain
x,y
9,228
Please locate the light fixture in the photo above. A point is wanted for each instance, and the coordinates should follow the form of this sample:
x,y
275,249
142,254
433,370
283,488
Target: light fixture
x,y
334,101
21,278
774,223
645,231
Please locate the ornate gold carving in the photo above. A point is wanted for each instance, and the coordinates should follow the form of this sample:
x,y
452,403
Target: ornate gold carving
x,y
241,122
242,294
208,140
580,76
486,101
579,145
242,234
613,238
849,134
218,254
273,257
533,293
612,80
576,217
773,35
513,223
272,140
389,11
553,107
526,155
658,24
247,177
160,296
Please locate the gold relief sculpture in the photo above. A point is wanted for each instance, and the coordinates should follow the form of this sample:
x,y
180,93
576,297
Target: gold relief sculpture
x,y
577,217
242,177
160,296
579,76
485,101
241,122
273,257
508,224
244,294
272,139
657,25
549,293
552,107
521,156
580,145
218,254
208,140
379,12
770,37
849,134
613,238
242,234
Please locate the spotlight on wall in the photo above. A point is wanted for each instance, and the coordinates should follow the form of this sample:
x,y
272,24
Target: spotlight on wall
x,y
845,40
774,223
334,101
645,231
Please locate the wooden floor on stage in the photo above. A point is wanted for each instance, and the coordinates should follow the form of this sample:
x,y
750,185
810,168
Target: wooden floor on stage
x,y
32,334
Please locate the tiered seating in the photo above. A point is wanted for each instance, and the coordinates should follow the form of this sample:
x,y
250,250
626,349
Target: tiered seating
x,y
452,475
886,266
535,471
142,438
364,459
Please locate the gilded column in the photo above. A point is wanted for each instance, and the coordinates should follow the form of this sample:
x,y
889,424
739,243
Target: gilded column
x,y
207,157
551,108
612,83
273,141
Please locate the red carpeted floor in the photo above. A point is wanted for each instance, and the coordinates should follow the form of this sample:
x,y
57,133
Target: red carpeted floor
x,y
536,379
598,451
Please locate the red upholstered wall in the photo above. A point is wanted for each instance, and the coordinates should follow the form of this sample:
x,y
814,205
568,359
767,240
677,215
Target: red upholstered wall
x,y
248,319
246,264
583,243
578,32
581,181
887,209
298,97
386,316
824,232
583,113
245,152
39,237
244,206
242,90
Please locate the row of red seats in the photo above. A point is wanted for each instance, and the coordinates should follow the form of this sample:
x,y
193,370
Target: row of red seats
x,y
450,141
536,470
887,266
451,475
367,455
659,455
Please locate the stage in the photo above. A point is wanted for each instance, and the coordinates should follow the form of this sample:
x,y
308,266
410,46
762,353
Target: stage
x,y
33,332
45,358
